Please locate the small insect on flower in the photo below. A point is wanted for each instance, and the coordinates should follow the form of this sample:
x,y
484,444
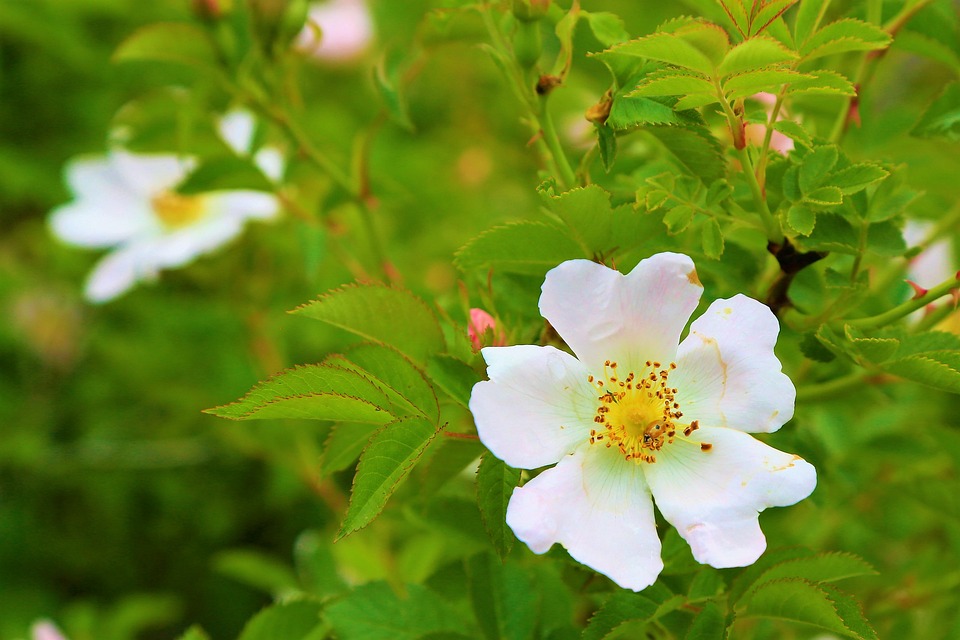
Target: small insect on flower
x,y
638,414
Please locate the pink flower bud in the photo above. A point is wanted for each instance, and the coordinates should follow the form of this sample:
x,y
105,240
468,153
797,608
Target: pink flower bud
x,y
480,324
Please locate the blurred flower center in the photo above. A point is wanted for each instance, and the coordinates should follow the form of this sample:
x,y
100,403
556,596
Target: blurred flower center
x,y
637,414
175,210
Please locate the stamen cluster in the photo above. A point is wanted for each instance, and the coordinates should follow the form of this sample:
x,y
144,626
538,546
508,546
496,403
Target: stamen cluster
x,y
638,414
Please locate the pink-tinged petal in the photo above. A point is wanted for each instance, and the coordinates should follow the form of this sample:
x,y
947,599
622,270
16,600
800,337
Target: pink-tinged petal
x,y
727,374
713,497
605,315
242,204
151,175
45,630
115,274
536,407
337,30
597,505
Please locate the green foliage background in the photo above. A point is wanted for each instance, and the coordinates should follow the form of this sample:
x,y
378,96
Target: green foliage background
x,y
126,513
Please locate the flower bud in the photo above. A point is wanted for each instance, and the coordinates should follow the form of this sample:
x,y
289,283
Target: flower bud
x,y
482,330
530,10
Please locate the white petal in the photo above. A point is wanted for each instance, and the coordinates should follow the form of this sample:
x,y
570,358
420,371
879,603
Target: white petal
x,y
115,274
598,507
727,374
536,407
271,163
605,315
242,204
714,497
111,218
236,129
150,175
183,246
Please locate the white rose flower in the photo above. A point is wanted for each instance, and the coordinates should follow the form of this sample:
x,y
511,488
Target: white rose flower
x,y
635,414
129,203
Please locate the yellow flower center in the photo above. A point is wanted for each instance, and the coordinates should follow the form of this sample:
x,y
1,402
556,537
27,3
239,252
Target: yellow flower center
x,y
638,412
175,210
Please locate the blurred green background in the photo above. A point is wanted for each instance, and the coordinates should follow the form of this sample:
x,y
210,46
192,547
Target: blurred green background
x,y
122,506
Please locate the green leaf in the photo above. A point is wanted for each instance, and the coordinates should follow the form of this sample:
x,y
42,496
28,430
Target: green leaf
x,y
942,118
177,42
374,612
794,131
709,624
937,369
766,11
495,484
886,239
678,218
815,167
607,28
344,445
851,613
224,173
809,15
794,600
737,12
665,47
623,608
929,47
695,149
821,82
503,598
292,620
711,239
194,633
672,83
256,569
819,568
707,584
316,392
627,113
825,196
772,557
381,314
394,373
755,53
531,248
607,144
454,377
856,177
751,82
845,35
387,459
386,79
801,219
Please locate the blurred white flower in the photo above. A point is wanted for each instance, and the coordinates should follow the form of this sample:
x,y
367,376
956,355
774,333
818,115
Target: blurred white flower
x,y
129,203
635,415
237,128
336,30
45,630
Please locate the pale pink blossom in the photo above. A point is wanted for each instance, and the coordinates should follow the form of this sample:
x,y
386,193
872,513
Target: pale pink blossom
x,y
337,31
634,414
45,630
755,132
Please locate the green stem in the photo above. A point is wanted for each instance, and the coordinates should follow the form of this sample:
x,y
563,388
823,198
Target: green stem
x,y
553,143
905,309
774,233
934,318
767,137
